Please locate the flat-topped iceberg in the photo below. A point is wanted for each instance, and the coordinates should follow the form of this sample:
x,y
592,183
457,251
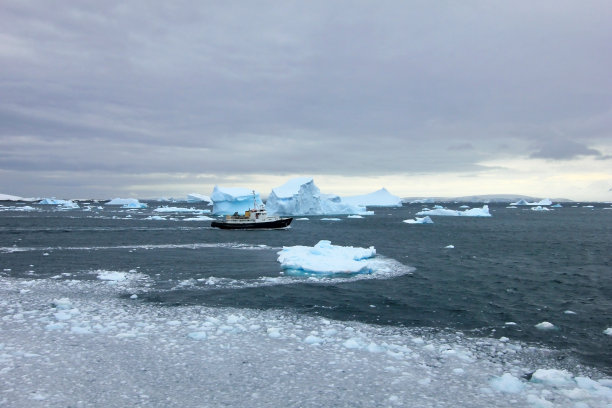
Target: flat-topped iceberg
x,y
379,198
325,258
473,212
300,196
230,200
54,201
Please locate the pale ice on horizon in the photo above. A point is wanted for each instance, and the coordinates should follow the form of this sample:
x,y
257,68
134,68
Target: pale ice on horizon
x,y
419,220
473,212
379,198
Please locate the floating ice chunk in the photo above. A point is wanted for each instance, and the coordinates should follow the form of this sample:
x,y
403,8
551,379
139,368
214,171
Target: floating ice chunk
x,y
545,201
474,212
354,216
418,220
230,200
134,205
112,276
449,247
199,218
557,206
608,331
540,208
507,383
302,219
556,378
274,332
62,304
311,339
570,312
379,198
537,402
155,218
200,335
331,219
326,258
545,326
353,343
166,209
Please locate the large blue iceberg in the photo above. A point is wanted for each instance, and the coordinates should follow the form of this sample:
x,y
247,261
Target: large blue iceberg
x,y
229,200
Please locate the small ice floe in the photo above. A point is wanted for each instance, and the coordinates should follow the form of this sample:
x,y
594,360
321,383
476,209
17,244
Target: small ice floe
x,y
449,247
556,378
570,312
545,326
326,258
123,201
474,212
331,219
135,205
418,220
199,218
608,331
155,218
199,335
354,216
302,219
507,383
166,209
540,208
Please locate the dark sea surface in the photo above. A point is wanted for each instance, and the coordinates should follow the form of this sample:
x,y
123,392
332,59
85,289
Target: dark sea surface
x,y
518,266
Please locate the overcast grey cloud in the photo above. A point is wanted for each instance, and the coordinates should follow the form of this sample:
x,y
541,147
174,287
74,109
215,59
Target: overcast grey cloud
x,y
163,90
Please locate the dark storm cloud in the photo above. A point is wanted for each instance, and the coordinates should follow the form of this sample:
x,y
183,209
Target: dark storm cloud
x,y
564,150
350,88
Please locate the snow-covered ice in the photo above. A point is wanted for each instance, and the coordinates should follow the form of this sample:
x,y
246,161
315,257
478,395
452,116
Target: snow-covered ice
x,y
545,326
419,220
300,196
166,209
230,200
326,258
473,212
379,198
78,343
540,208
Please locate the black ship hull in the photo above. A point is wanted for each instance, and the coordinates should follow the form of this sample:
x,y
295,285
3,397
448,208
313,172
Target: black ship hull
x,y
281,223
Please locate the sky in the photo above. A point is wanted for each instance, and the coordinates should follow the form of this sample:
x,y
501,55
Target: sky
x,y
146,99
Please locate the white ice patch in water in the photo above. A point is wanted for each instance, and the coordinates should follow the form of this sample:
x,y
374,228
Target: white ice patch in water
x,y
473,212
272,352
507,383
608,331
326,258
419,220
545,326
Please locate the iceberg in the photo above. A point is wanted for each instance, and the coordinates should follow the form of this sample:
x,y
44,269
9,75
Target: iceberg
x,y
198,198
545,201
474,212
124,202
379,198
540,208
54,201
230,200
135,205
325,258
417,220
300,196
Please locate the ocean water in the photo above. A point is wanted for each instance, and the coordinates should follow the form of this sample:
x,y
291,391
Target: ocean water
x,y
503,276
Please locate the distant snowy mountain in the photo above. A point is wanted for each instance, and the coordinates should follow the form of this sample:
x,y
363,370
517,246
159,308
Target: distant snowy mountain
x,y
7,197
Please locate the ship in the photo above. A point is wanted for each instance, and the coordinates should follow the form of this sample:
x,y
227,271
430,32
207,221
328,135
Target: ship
x,y
255,218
